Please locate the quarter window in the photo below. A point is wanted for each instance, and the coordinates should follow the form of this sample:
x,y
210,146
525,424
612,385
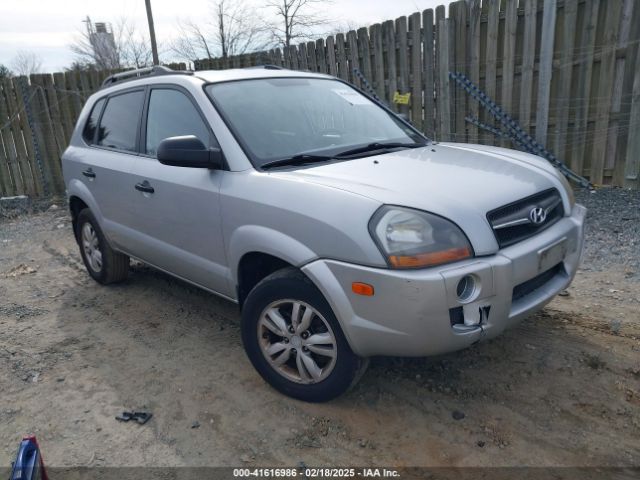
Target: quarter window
x,y
172,114
119,124
89,132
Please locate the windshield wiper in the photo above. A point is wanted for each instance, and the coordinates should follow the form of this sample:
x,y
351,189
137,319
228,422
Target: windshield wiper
x,y
304,158
378,146
299,159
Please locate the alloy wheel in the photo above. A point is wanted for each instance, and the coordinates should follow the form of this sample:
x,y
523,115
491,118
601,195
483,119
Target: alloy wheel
x,y
297,341
91,247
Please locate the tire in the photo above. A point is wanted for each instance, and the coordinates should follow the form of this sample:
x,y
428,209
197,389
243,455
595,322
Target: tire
x,y
107,266
286,367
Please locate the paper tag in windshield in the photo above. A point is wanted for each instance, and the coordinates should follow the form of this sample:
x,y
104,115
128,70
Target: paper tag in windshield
x,y
351,96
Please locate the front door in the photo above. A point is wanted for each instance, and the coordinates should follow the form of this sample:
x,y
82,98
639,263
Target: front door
x,y
178,208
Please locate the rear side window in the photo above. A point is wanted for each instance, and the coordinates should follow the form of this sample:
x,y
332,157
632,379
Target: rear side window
x,y
172,114
89,132
119,124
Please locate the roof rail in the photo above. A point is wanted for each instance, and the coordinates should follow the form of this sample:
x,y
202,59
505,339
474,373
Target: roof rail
x,y
141,72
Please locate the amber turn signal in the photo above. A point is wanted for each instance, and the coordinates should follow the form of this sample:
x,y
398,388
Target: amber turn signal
x,y
362,289
429,259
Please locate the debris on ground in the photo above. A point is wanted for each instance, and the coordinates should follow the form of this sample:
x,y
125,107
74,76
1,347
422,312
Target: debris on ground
x,y
20,269
457,415
139,417
21,311
14,206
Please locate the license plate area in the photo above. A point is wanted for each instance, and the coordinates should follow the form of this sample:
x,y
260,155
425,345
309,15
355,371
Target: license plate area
x,y
552,254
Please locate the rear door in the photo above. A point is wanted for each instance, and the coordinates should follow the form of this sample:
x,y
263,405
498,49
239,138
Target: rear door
x,y
112,132
179,222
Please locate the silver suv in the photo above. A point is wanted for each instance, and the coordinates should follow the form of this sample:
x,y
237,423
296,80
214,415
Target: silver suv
x,y
337,227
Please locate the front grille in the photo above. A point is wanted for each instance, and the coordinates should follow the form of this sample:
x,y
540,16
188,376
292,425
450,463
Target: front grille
x,y
512,224
530,286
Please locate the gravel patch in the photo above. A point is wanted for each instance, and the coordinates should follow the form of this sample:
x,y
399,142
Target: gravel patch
x,y
612,230
14,207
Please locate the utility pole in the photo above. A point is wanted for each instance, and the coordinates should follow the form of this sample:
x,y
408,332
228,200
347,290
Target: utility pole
x,y
152,33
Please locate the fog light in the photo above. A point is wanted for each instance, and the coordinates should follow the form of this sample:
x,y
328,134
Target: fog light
x,y
466,288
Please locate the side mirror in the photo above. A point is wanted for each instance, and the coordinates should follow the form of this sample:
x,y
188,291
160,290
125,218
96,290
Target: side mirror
x,y
189,151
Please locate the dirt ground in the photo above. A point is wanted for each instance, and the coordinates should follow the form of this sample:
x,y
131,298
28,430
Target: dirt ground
x,y
561,389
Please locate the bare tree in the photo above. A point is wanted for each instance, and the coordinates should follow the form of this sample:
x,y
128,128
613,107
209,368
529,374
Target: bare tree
x,y
296,20
192,42
234,29
26,63
107,47
79,66
238,31
135,50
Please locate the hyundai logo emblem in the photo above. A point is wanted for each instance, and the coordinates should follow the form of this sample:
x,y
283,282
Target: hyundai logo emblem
x,y
537,215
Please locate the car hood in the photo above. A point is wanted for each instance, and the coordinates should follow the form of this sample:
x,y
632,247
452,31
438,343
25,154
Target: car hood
x,y
460,182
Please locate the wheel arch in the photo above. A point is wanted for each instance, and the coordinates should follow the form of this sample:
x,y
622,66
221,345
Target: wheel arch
x,y
256,251
78,192
79,198
252,269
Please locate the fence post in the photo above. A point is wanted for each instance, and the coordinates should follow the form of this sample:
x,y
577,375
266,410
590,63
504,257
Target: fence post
x,y
546,69
567,34
6,186
22,157
389,39
402,55
583,89
605,90
632,167
378,60
439,56
443,76
491,67
52,150
26,98
353,55
416,71
429,65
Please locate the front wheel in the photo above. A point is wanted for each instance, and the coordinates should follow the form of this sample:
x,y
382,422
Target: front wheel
x,y
294,340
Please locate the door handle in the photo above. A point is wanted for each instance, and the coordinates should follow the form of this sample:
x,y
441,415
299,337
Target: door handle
x,y
89,173
145,187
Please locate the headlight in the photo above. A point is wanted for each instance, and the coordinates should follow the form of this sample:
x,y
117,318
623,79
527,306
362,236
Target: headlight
x,y
411,238
567,186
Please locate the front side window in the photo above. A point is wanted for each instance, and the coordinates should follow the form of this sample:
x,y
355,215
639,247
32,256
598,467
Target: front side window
x,y
276,118
89,132
119,124
172,114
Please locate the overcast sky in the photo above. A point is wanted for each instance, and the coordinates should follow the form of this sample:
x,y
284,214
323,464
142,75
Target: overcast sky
x,y
47,27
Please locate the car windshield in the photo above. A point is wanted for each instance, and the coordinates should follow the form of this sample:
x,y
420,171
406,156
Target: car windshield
x,y
279,118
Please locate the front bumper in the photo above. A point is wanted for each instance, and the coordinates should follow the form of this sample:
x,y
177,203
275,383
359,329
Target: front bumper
x,y
409,314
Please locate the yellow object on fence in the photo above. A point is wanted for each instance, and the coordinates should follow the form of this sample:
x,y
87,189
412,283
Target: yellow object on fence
x,y
401,98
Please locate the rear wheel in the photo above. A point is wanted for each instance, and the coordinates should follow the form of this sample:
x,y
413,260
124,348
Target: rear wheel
x,y
294,340
104,264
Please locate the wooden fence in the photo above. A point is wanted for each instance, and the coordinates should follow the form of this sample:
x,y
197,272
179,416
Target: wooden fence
x,y
37,117
567,70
